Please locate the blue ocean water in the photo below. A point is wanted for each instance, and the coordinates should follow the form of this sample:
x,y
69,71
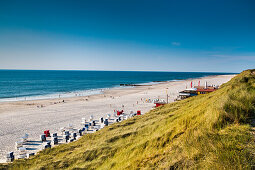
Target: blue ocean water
x,y
20,84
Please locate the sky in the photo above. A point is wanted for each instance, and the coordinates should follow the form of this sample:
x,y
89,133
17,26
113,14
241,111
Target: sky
x,y
131,35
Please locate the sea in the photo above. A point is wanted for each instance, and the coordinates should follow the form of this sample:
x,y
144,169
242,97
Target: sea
x,y
17,85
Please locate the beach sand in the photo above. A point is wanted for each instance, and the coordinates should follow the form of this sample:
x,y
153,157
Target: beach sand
x,y
33,117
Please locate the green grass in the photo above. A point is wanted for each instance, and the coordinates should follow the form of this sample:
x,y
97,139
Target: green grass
x,y
204,132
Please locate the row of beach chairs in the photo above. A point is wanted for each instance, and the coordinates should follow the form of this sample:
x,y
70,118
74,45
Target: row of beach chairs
x,y
69,134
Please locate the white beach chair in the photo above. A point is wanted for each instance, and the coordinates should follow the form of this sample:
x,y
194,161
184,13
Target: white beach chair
x,y
102,125
125,117
70,127
21,156
22,152
62,130
97,127
91,118
9,157
83,121
26,136
22,140
109,116
18,145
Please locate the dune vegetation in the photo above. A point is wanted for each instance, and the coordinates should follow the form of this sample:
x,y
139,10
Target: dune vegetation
x,y
212,131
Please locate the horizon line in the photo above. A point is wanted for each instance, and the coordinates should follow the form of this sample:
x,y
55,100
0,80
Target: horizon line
x,y
115,70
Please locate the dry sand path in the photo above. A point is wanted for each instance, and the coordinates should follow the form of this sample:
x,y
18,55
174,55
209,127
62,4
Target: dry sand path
x,y
18,118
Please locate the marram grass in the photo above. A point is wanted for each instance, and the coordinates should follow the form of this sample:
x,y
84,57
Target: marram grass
x,y
210,131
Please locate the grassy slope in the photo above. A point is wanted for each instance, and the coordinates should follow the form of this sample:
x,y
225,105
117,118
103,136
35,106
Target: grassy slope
x,y
207,132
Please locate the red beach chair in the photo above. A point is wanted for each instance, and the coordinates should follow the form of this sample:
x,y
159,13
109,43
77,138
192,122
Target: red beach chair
x,y
118,113
138,112
47,133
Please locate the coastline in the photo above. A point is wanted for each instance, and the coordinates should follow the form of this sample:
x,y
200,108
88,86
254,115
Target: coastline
x,y
20,117
91,92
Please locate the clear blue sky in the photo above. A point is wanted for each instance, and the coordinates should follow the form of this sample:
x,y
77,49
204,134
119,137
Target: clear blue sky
x,y
160,35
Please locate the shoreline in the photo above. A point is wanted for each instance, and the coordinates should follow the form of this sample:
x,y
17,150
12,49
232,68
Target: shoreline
x,y
20,117
92,92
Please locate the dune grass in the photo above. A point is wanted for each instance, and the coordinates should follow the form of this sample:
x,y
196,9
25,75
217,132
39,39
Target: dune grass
x,y
204,132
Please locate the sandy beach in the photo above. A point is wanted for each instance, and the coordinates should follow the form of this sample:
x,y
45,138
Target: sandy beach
x,y
33,117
